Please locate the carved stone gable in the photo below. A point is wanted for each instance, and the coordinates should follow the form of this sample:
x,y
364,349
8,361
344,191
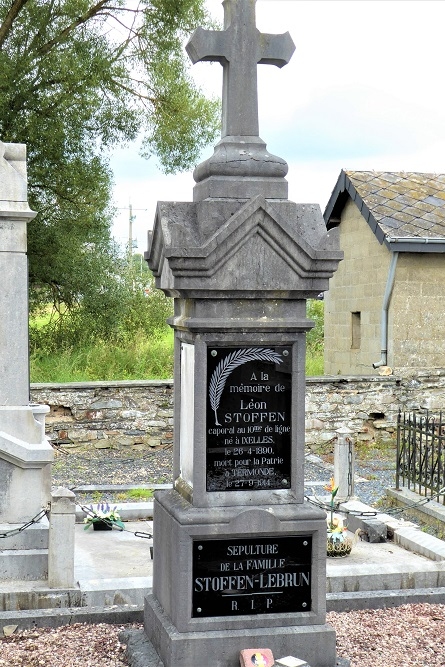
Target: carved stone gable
x,y
256,248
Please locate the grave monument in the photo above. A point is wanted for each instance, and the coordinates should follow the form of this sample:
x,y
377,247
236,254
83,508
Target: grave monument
x,y
239,557
25,454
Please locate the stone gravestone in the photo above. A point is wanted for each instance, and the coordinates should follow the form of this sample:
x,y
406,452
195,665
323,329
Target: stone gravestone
x,y
239,557
25,454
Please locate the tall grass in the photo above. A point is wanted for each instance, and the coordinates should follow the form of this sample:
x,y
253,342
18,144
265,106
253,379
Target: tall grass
x,y
144,358
314,364
315,338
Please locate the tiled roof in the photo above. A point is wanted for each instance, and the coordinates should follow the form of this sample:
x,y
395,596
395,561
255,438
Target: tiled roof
x,y
396,205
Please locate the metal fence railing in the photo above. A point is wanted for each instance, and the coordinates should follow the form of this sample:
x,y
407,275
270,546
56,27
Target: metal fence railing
x,y
420,462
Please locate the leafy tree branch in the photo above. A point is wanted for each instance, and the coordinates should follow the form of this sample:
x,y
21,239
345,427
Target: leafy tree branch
x,y
78,77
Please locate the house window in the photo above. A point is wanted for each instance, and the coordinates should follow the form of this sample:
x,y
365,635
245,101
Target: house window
x,y
355,331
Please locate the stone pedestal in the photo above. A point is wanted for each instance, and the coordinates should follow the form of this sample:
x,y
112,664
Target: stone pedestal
x,y
25,454
241,273
190,614
61,539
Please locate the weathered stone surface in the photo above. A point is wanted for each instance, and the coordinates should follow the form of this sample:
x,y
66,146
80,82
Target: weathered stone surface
x,y
188,256
125,441
102,444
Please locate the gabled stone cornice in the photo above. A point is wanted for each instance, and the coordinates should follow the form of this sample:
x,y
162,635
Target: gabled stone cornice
x,y
296,240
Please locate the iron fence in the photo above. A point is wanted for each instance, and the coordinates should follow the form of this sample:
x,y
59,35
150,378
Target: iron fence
x,y
420,454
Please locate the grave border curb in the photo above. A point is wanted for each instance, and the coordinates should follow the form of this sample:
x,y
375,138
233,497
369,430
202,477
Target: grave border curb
x,y
122,614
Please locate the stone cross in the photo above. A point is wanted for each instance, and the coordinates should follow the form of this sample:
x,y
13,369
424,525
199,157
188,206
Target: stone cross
x,y
239,48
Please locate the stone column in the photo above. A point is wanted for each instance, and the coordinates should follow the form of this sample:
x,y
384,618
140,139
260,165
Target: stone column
x,y
61,539
25,454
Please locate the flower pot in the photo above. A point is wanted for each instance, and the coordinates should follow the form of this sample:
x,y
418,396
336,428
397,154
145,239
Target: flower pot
x,y
339,545
102,525
338,549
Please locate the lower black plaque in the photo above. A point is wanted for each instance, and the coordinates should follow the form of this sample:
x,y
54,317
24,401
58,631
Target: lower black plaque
x,y
264,575
249,418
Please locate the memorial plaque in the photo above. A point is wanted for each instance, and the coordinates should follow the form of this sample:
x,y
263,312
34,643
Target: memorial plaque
x,y
260,575
248,418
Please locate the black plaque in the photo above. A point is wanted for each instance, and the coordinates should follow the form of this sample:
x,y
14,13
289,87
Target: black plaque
x,y
249,418
260,575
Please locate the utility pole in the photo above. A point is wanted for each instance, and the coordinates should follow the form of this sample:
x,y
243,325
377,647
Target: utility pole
x,y
131,217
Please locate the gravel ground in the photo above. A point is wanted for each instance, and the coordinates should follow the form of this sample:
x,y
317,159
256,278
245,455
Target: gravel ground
x,y
113,466
120,466
372,477
410,635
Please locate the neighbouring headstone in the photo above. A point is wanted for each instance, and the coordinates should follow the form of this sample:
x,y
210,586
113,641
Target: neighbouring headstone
x,y
25,454
239,557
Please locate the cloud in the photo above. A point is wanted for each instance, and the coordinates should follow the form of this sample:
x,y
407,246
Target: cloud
x,y
363,90
352,121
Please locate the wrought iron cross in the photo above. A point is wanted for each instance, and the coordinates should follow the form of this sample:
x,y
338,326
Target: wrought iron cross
x,y
240,47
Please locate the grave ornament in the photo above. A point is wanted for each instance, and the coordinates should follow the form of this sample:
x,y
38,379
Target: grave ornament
x,y
240,47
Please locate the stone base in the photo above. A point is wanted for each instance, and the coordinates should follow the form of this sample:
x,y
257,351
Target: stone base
x,y
24,556
225,186
25,463
315,644
140,652
34,537
241,168
172,618
28,565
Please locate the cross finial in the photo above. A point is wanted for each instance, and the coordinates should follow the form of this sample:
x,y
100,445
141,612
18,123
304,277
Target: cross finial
x,y
240,47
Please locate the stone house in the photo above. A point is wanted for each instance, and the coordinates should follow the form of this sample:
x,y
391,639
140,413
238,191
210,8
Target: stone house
x,y
385,304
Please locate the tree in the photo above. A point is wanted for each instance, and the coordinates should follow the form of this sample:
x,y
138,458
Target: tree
x,y
78,77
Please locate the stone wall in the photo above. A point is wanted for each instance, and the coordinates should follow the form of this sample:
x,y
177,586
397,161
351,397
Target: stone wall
x,y
417,323
137,413
140,413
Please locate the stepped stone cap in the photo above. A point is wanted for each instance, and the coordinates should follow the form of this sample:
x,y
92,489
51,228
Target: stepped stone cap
x,y
13,180
241,155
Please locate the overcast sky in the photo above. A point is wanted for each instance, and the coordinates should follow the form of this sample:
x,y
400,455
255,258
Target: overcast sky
x,y
364,90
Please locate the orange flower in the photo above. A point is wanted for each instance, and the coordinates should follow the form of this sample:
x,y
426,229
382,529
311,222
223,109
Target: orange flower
x,y
331,487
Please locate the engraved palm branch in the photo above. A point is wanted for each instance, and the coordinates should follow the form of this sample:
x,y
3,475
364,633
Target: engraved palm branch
x,y
227,365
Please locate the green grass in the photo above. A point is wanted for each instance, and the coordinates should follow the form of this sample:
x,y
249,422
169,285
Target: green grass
x,y
145,358
142,360
140,494
314,364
